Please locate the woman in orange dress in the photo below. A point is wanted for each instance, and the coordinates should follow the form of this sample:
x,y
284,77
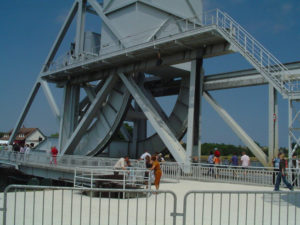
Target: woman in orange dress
x,y
157,171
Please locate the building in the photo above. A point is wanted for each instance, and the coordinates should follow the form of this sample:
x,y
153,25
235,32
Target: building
x,y
26,136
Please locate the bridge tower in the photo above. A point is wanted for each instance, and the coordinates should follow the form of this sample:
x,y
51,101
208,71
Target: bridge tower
x,y
145,49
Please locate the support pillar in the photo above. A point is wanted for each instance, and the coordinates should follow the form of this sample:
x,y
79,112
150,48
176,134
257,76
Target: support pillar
x,y
69,118
194,112
80,27
290,142
245,138
273,123
139,133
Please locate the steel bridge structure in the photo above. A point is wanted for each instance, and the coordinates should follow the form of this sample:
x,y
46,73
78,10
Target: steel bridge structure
x,y
148,49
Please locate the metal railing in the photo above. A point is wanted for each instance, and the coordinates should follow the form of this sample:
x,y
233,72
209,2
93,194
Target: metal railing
x,y
245,43
171,170
255,52
130,178
230,174
238,207
66,205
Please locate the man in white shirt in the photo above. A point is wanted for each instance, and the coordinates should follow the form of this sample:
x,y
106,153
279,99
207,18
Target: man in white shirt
x,y
120,165
143,156
245,160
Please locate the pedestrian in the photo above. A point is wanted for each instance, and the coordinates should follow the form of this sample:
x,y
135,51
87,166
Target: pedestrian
x,y
295,169
121,164
54,153
22,149
16,147
234,161
276,162
282,174
148,165
245,161
217,162
217,152
28,149
143,156
157,171
160,158
210,161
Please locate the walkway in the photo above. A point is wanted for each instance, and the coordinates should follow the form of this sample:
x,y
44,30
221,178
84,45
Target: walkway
x,y
244,208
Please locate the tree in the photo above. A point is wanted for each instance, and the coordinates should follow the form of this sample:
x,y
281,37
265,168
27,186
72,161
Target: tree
x,y
55,135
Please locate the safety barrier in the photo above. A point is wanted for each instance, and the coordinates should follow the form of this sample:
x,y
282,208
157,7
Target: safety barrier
x,y
63,205
171,170
234,208
66,205
228,174
88,177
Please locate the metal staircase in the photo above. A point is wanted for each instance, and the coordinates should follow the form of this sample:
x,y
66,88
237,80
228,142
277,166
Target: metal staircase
x,y
265,63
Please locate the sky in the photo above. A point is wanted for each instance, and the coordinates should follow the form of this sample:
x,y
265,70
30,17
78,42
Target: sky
x,y
28,29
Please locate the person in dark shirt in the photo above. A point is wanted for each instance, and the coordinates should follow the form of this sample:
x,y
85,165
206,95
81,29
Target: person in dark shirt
x,y
282,174
234,164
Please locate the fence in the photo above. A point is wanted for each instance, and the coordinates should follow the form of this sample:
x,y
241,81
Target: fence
x,y
235,208
85,177
171,170
62,205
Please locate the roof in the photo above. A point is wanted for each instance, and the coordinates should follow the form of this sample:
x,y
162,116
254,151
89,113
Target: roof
x,y
24,132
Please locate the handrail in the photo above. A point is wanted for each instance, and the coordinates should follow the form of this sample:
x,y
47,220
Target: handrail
x,y
257,54
255,51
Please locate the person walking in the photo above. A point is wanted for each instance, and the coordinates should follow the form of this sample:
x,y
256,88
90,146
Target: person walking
x,y
217,162
276,162
245,161
54,153
210,161
157,171
282,174
234,161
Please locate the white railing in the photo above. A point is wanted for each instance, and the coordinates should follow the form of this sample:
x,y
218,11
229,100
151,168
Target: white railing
x,y
94,177
260,57
171,170
66,205
248,46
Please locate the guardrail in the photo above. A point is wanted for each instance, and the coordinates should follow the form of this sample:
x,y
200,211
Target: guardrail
x,y
231,207
171,170
86,177
66,205
231,174
63,205
255,52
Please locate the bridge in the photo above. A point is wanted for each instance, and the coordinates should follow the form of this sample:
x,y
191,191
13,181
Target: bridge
x,y
121,70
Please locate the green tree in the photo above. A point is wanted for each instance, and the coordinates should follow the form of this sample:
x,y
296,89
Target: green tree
x,y
55,135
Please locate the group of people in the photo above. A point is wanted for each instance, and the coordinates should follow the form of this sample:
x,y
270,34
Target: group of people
x,y
280,174
22,148
152,163
214,160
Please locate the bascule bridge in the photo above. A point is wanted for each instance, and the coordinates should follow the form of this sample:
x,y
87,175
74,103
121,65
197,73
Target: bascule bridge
x,y
144,50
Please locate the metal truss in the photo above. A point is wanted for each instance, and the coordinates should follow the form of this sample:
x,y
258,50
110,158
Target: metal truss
x,y
88,125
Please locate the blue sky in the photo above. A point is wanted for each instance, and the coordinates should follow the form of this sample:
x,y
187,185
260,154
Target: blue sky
x,y
28,29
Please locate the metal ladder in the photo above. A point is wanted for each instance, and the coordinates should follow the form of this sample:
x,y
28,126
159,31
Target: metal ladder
x,y
265,63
